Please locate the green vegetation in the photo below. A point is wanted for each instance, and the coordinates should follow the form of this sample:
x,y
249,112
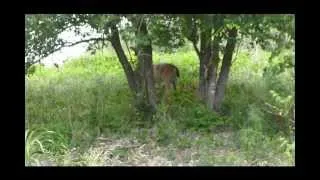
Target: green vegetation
x,y
82,115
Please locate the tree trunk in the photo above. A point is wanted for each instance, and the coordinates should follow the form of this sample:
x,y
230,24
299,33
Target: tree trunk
x,y
115,42
212,73
209,60
212,85
225,69
202,80
205,56
144,53
134,79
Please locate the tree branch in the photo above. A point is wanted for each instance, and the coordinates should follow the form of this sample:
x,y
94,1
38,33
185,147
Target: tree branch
x,y
193,35
81,41
196,48
70,45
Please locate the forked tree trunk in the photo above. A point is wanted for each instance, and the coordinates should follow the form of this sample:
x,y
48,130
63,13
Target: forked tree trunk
x,y
225,69
209,60
211,84
140,84
144,53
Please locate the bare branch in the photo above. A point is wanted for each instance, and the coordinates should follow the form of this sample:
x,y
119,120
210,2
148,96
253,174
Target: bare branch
x,y
81,41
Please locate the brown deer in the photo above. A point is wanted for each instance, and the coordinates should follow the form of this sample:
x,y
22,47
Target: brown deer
x,y
166,74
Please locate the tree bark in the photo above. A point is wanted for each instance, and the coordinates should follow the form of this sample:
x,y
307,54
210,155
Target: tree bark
x,y
202,80
225,69
212,73
141,82
115,42
144,53
211,84
205,56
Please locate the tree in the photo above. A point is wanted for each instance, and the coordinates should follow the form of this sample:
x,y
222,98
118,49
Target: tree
x,y
42,34
214,38
207,34
42,39
141,80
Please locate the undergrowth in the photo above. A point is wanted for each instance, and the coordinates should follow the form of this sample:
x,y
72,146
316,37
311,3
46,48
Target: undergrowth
x,y
70,109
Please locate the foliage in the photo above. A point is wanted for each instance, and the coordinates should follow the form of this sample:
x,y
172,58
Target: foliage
x,y
251,139
165,31
168,31
42,142
89,98
41,33
264,30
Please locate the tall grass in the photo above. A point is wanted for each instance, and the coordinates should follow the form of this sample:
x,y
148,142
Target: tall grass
x,y
88,98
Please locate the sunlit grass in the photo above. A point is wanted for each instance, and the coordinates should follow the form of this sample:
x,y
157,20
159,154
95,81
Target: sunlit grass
x,y
82,115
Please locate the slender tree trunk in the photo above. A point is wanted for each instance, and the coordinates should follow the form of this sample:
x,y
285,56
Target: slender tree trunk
x,y
115,42
225,69
211,88
205,56
212,74
202,80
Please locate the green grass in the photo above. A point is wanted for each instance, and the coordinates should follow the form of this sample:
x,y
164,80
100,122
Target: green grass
x,y
82,115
